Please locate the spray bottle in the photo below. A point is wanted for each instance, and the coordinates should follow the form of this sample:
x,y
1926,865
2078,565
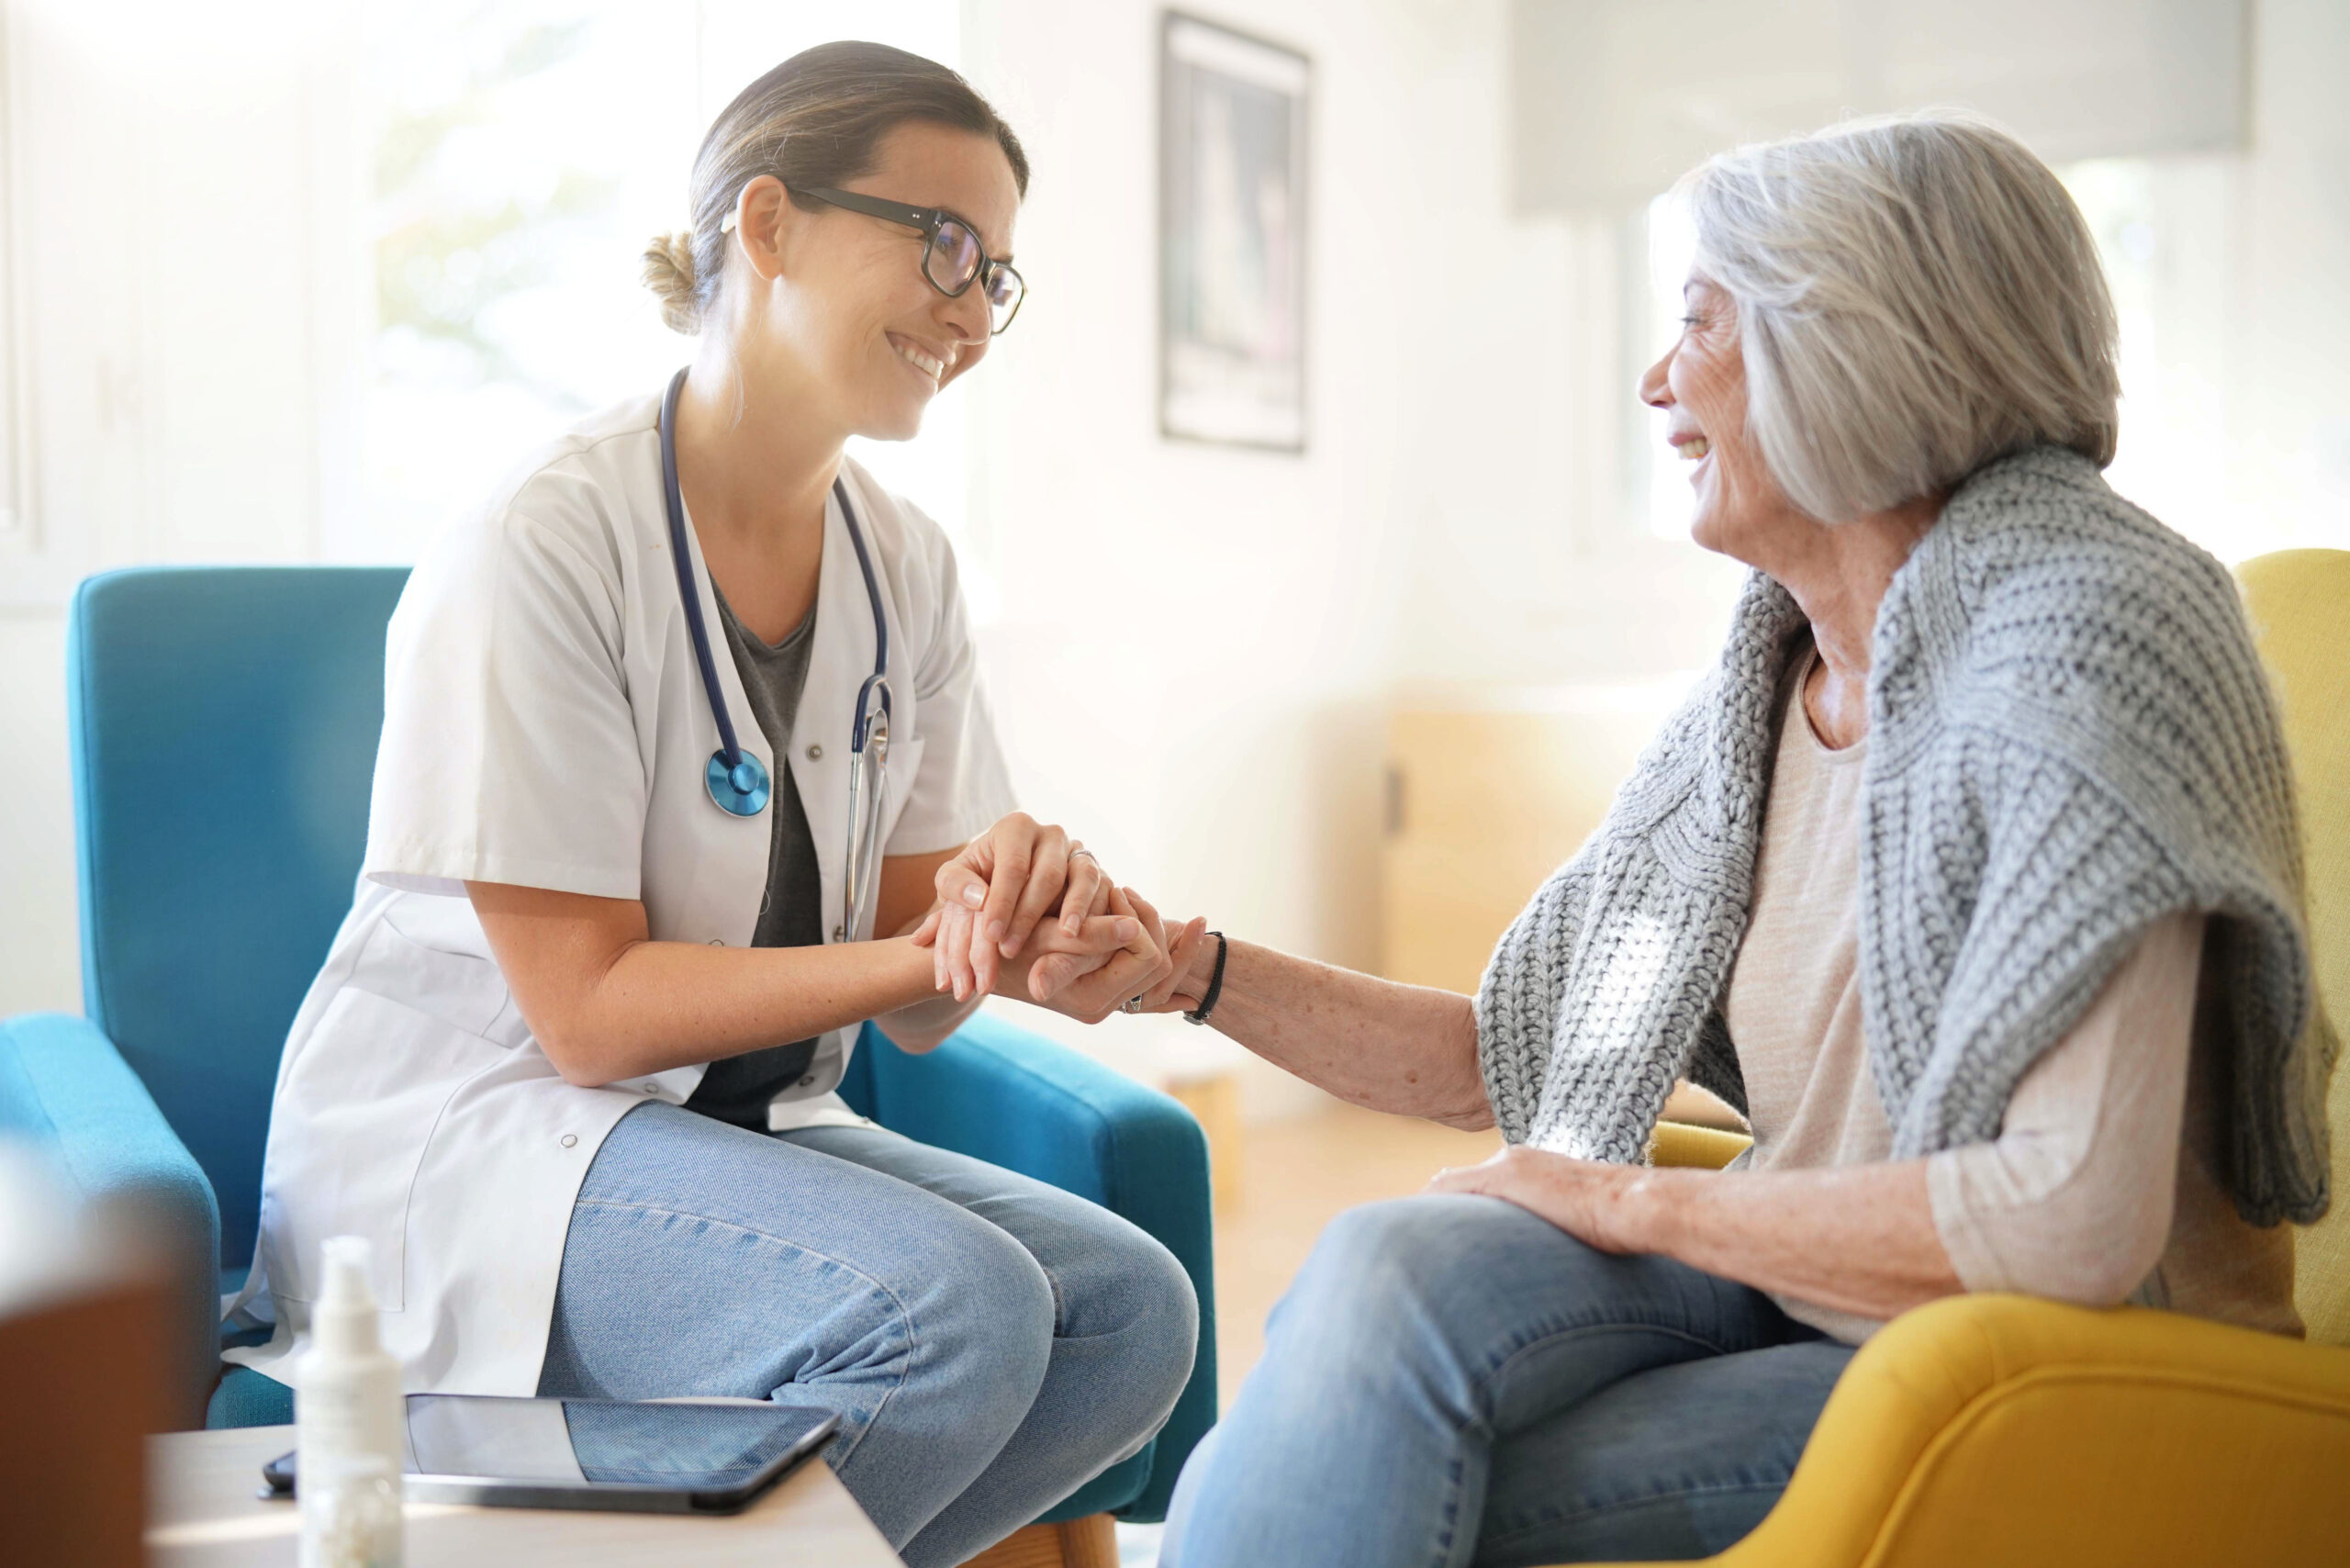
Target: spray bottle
x,y
349,1419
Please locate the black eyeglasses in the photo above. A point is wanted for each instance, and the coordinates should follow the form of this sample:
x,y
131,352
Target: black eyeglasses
x,y
952,258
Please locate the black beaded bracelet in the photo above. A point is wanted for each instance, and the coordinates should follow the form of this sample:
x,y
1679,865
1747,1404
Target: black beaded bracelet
x,y
1215,982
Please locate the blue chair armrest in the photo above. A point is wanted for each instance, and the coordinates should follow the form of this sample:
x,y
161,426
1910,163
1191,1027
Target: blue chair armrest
x,y
998,1093
65,1088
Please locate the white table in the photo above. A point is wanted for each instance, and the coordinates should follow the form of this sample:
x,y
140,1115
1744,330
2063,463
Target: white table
x,y
202,1511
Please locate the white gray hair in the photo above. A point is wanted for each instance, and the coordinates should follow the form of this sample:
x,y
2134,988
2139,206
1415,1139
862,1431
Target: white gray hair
x,y
1915,296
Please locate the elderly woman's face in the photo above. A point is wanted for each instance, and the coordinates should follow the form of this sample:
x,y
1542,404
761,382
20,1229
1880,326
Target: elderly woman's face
x,y
1700,384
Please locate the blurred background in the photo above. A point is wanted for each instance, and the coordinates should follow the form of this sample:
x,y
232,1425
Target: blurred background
x,y
290,282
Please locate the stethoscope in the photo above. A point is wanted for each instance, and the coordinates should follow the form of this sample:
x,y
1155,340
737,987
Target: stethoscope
x,y
737,781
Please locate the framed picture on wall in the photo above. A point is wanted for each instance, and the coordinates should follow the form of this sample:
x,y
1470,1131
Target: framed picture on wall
x,y
1232,207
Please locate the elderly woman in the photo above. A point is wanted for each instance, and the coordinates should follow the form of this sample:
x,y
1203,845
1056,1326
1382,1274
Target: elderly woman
x,y
1971,876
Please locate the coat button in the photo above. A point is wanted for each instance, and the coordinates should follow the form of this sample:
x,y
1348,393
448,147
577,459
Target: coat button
x,y
807,1081
815,754
569,1139
651,1088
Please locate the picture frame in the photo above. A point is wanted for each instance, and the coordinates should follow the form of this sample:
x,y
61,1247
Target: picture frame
x,y
1234,207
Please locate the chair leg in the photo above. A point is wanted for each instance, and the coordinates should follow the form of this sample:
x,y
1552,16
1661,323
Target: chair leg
x,y
1089,1542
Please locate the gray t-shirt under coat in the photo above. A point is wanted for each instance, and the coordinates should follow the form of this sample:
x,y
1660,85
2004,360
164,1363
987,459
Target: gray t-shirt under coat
x,y
737,1089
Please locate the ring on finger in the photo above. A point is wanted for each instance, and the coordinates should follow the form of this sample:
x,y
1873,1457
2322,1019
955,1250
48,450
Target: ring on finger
x,y
1131,1004
1079,852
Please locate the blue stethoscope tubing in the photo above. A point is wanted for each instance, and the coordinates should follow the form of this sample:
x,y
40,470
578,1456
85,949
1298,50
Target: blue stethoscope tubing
x,y
738,782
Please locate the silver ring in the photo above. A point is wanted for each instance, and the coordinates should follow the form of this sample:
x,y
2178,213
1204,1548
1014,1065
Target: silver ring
x,y
1081,850
1132,1005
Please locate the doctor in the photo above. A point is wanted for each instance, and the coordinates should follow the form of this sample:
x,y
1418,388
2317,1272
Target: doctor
x,y
638,867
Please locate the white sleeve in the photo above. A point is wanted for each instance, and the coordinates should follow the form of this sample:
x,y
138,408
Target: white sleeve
x,y
510,752
962,786
2073,1198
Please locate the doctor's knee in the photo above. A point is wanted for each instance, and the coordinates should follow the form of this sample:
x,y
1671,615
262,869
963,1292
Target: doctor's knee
x,y
990,1310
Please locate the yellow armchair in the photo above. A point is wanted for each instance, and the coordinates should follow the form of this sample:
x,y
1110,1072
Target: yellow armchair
x,y
2001,1429
1998,1429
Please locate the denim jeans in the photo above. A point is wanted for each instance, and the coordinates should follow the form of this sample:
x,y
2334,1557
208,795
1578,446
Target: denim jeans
x,y
1452,1381
990,1343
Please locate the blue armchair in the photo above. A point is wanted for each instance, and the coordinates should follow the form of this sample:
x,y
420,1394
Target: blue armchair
x,y
224,725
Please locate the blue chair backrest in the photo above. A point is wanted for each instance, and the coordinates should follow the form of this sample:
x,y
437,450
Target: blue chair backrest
x,y
224,729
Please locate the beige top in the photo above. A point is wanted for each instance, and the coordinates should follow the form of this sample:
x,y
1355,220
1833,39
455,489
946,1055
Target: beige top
x,y
2104,1183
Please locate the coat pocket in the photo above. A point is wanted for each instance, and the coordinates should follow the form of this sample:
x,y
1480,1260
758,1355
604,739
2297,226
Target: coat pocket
x,y
431,953
353,1116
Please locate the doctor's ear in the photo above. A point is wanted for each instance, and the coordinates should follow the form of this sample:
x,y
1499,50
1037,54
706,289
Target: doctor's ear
x,y
761,225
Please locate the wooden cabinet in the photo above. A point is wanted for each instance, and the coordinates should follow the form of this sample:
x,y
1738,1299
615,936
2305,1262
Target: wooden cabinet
x,y
1488,793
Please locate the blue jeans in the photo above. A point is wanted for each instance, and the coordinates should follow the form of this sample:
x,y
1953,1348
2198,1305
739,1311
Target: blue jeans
x,y
1452,1381
990,1343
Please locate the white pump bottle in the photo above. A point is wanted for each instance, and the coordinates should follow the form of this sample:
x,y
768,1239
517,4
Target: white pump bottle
x,y
349,1423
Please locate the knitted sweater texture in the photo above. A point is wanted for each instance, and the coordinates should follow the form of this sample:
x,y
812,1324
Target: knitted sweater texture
x,y
2070,738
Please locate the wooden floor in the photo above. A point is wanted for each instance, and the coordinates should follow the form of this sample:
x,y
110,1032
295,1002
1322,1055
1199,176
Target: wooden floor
x,y
1295,1175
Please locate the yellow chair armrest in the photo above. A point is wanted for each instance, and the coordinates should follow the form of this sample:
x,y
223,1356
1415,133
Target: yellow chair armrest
x,y
2004,1428
1708,1149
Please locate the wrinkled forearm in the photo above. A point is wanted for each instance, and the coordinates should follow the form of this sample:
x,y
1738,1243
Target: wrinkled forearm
x,y
1860,1238
1408,1050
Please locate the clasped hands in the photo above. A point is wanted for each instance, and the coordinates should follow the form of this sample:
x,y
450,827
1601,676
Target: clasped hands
x,y
1027,912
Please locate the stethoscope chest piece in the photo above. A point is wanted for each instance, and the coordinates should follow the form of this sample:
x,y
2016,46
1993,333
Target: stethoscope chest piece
x,y
741,790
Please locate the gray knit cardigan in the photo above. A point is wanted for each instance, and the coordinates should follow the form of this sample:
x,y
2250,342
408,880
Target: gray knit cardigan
x,y
2070,738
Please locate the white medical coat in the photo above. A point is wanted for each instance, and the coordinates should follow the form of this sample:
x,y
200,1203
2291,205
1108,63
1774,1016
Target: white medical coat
x,y
544,724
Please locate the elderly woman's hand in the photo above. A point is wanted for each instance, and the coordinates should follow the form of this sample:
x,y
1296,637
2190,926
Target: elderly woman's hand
x,y
1111,959
1585,1198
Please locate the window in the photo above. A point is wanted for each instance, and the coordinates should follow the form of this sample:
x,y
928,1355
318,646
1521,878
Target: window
x,y
1659,242
2163,229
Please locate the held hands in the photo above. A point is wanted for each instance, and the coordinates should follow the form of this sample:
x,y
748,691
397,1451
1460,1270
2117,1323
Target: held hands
x,y
1027,912
1121,961
994,895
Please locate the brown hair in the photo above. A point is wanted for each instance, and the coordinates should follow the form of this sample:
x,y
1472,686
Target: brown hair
x,y
816,119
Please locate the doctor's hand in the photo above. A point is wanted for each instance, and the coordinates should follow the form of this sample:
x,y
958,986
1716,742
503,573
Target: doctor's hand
x,y
1001,886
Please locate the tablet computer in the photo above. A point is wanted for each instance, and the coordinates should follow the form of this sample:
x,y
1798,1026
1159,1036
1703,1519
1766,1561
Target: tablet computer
x,y
683,1457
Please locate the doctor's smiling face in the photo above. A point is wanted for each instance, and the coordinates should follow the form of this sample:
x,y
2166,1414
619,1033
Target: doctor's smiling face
x,y
837,300
1700,388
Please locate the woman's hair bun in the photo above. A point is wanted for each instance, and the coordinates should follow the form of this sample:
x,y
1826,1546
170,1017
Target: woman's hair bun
x,y
669,272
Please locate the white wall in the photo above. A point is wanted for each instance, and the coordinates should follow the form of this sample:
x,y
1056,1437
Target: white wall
x,y
39,956
1223,744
